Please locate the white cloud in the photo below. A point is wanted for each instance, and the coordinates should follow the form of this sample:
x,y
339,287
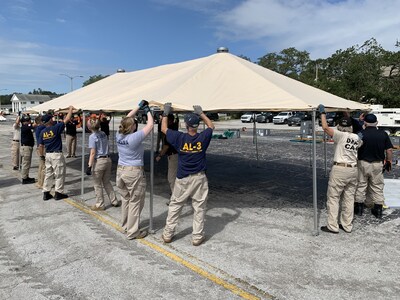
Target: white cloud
x,y
61,20
29,63
320,27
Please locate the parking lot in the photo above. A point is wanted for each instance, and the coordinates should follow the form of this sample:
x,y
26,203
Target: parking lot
x,y
259,227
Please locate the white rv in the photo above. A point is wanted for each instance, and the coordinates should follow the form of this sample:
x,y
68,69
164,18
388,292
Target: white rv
x,y
388,118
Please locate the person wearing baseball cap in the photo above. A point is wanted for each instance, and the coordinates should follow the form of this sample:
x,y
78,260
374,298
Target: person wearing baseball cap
x,y
191,181
374,157
27,143
50,142
343,177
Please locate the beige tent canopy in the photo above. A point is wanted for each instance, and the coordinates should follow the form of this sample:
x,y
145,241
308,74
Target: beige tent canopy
x,y
219,82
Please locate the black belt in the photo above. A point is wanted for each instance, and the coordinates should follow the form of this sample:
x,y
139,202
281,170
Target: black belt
x,y
26,145
344,165
104,156
16,141
58,151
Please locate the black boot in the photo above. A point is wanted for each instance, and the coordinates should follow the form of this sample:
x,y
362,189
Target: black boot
x,y
358,208
47,196
28,180
59,196
377,210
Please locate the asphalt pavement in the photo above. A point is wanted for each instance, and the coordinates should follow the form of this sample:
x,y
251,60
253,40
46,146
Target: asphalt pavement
x,y
259,243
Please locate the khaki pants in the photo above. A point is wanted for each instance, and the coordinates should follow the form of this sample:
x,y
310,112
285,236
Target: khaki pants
x,y
341,188
55,172
26,160
15,153
41,171
172,170
131,183
196,187
370,179
71,145
101,178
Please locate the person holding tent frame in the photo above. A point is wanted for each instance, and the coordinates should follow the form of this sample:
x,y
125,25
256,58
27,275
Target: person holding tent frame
x,y
131,178
191,181
342,183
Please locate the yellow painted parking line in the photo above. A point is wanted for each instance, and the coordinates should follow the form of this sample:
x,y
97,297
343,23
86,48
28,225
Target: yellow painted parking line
x,y
231,287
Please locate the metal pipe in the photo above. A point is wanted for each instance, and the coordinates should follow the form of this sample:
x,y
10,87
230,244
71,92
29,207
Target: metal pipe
x,y
314,171
83,155
151,230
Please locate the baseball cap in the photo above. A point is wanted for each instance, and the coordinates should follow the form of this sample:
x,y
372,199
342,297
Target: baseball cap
x,y
25,118
46,118
192,120
345,122
370,118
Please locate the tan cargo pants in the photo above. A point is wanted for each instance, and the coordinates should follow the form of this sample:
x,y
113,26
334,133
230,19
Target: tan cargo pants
x,y
15,153
26,160
370,179
172,170
41,171
196,187
101,179
55,172
131,183
342,186
71,145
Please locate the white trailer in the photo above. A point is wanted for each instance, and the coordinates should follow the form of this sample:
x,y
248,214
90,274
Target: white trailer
x,y
388,118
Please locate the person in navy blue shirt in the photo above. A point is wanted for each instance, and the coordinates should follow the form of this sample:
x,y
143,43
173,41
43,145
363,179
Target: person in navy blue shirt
x,y
191,181
27,143
39,127
50,140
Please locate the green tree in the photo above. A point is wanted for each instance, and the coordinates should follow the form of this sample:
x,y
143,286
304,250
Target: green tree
x,y
290,62
93,79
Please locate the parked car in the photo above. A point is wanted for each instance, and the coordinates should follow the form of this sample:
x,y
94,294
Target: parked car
x,y
212,116
298,118
265,117
333,117
282,117
249,117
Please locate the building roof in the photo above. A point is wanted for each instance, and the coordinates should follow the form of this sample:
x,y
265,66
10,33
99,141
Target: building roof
x,y
31,97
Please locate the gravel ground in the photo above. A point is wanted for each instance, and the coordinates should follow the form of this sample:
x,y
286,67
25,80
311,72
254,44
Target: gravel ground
x,y
259,222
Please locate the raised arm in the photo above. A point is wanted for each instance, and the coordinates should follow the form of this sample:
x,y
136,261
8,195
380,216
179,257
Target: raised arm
x,y
166,112
69,115
199,111
324,123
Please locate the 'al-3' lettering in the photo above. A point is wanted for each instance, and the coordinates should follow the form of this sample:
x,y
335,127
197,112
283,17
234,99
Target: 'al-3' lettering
x,y
188,147
48,135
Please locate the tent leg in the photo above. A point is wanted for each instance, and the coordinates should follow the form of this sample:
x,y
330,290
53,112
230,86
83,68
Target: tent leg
x,y
151,230
315,203
255,137
325,156
83,155
113,133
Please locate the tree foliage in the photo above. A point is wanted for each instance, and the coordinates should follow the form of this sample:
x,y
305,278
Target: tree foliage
x,y
93,79
366,73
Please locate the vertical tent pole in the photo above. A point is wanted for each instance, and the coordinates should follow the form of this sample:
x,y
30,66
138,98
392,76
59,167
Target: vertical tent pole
x,y
315,203
113,133
83,154
325,156
255,136
151,179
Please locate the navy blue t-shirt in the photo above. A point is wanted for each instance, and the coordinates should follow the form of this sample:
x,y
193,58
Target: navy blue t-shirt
x,y
191,151
38,131
27,135
50,137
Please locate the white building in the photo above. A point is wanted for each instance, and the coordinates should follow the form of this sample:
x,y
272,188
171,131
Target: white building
x,y
23,102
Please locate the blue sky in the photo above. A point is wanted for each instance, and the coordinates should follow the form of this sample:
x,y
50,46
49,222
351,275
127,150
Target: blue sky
x,y
41,39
